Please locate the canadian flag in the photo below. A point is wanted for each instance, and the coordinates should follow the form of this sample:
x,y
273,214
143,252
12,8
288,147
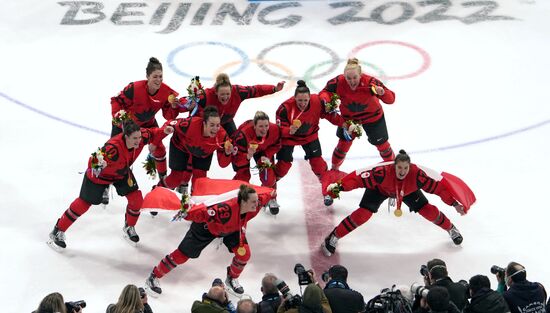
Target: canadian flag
x,y
205,191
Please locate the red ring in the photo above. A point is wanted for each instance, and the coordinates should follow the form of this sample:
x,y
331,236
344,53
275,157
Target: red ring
x,y
424,54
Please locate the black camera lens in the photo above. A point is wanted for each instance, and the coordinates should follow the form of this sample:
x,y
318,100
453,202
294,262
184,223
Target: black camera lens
x,y
283,287
424,270
497,270
299,268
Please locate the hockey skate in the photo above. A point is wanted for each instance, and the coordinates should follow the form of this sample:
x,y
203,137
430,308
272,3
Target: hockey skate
x,y
105,196
328,200
233,285
57,240
183,189
455,235
329,244
273,206
130,235
152,286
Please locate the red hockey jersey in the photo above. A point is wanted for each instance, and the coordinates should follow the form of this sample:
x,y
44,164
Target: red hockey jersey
x,y
238,94
245,136
361,104
119,158
136,100
188,136
288,111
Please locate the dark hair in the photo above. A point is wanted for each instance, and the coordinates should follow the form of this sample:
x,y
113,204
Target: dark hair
x,y
437,268
301,88
479,281
260,115
244,193
402,157
222,80
153,65
129,127
438,298
514,268
52,303
338,272
210,111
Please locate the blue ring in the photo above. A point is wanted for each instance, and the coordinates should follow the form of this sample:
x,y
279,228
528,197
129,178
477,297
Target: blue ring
x,y
244,64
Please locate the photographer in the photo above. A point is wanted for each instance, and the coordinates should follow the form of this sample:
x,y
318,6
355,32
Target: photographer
x,y
212,302
522,295
246,306
342,299
132,299
435,274
54,303
313,300
438,301
484,299
271,299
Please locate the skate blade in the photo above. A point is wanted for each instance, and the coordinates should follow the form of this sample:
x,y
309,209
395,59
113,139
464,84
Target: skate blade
x,y
54,247
130,242
325,250
150,292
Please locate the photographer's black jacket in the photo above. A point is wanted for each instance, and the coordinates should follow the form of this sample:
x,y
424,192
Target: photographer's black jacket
x,y
270,303
342,299
526,296
457,291
487,300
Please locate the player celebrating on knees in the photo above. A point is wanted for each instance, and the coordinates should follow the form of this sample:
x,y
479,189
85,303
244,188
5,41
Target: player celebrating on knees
x,y
299,119
192,147
258,139
140,101
359,95
227,98
112,164
401,180
226,219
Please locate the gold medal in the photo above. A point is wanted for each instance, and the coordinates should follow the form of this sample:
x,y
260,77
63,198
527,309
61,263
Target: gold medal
x,y
130,181
241,251
398,212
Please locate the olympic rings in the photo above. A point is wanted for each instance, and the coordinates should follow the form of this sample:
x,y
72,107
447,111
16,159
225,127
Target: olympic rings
x,y
333,55
308,78
288,71
334,59
173,53
425,56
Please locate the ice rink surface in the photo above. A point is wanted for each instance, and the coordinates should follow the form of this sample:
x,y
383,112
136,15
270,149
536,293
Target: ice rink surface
x,y
471,87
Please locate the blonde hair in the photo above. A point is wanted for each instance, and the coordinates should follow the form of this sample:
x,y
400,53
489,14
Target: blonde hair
x,y
352,64
260,115
222,80
53,302
129,300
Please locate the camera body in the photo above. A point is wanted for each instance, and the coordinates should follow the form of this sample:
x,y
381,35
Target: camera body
x,y
388,301
325,277
141,292
303,275
75,305
495,269
419,290
292,301
424,270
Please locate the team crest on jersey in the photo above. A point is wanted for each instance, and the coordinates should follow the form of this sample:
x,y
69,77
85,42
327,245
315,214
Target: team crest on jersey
x,y
145,115
379,173
111,151
356,107
224,212
211,212
421,178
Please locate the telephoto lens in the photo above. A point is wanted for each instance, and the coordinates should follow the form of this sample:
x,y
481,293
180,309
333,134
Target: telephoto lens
x,y
419,290
495,269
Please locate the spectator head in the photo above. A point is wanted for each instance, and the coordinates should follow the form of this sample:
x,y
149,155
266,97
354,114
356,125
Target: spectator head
x,y
338,272
268,284
478,282
129,300
515,273
217,293
438,298
52,303
437,269
246,306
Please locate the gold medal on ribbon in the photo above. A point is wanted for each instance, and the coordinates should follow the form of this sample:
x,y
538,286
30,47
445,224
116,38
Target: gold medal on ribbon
x,y
130,181
398,212
241,251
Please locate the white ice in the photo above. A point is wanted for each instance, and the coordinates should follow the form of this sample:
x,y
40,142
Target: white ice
x,y
485,79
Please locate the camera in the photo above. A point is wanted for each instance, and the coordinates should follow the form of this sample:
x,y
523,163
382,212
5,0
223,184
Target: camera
x,y
424,270
75,305
291,301
419,290
389,300
325,276
303,275
497,270
141,292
